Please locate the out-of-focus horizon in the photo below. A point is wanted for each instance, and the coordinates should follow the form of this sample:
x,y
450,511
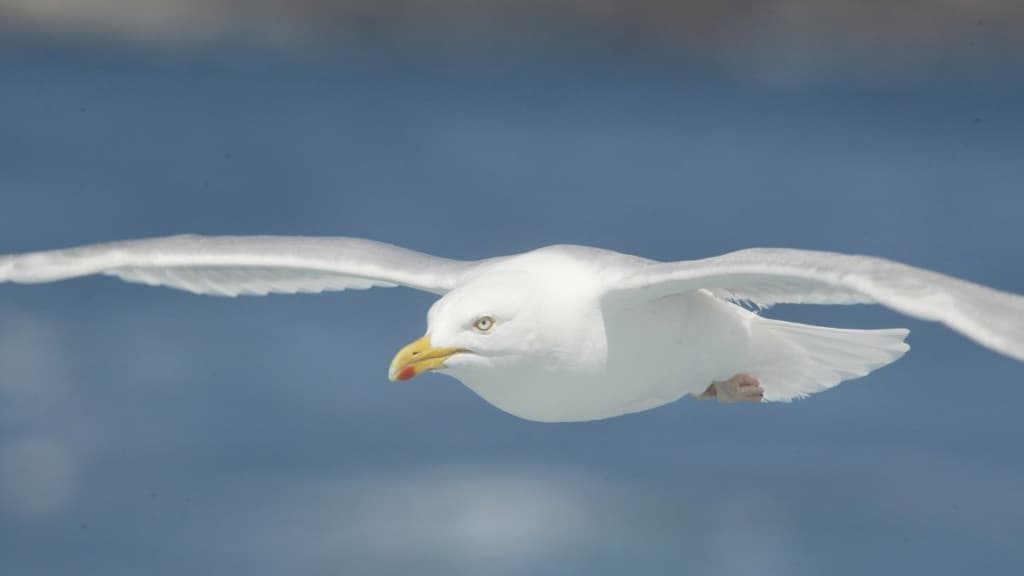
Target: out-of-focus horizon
x,y
918,28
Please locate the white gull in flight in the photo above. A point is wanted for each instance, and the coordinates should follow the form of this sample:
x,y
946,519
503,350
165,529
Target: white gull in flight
x,y
566,333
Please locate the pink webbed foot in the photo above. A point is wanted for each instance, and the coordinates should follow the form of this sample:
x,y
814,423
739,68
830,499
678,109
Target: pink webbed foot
x,y
739,388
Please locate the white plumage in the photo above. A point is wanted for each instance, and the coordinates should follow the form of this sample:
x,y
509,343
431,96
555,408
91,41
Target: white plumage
x,y
576,333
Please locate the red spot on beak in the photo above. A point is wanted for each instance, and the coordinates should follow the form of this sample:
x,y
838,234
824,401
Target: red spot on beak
x,y
406,373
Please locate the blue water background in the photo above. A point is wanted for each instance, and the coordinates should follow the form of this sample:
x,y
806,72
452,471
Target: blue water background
x,y
150,431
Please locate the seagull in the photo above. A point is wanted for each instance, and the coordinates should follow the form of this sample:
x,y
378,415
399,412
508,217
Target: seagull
x,y
570,333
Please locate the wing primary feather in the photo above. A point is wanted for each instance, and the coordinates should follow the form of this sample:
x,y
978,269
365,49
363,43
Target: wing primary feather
x,y
990,317
234,265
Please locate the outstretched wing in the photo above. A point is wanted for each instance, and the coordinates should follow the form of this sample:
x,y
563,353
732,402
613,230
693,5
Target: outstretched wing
x,y
775,276
234,265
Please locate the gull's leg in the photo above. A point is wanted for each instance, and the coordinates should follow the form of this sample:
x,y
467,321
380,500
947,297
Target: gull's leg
x,y
739,388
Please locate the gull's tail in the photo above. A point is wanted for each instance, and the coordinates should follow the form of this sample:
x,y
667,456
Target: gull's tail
x,y
794,360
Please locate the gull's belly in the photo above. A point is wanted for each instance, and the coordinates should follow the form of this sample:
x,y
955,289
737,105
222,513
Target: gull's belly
x,y
656,353
662,350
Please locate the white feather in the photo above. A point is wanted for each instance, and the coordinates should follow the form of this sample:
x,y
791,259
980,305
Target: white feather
x,y
770,276
243,265
795,360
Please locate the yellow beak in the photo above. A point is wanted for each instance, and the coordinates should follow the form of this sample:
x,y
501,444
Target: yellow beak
x,y
417,358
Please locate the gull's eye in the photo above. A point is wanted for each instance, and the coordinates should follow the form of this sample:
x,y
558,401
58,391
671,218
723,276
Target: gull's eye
x,y
484,323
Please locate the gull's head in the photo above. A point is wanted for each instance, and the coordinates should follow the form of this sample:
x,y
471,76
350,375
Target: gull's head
x,y
531,312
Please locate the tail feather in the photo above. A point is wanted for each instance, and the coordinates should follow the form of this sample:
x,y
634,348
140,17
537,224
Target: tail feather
x,y
796,360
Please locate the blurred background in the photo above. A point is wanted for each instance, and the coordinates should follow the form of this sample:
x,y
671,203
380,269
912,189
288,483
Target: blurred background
x,y
155,432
